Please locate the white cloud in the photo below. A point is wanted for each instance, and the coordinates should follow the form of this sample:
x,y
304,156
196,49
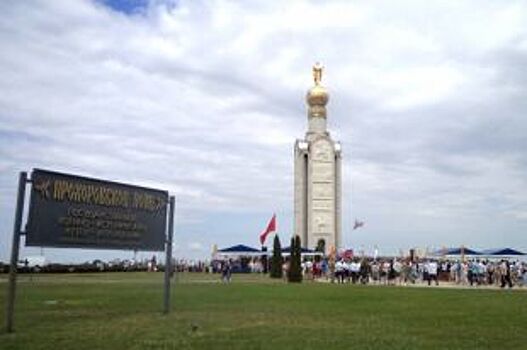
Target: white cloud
x,y
206,99
196,246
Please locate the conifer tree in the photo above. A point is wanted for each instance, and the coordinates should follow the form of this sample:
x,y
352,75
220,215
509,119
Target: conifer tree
x,y
295,267
277,260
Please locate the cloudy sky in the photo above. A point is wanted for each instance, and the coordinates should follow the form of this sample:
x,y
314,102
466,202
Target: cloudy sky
x,y
206,98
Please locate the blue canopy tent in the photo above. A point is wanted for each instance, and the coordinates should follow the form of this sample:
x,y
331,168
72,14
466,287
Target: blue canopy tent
x,y
240,255
456,251
240,250
502,252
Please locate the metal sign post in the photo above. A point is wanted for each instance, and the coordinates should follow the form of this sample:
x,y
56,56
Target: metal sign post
x,y
168,255
11,288
71,211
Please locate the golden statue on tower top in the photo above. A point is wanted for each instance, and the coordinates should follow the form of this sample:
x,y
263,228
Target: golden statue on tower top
x,y
317,73
317,96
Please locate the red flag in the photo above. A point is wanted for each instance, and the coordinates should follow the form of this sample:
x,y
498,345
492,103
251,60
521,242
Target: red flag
x,y
271,227
358,224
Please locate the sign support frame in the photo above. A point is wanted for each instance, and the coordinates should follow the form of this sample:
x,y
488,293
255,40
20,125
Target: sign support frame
x,y
15,248
168,255
23,181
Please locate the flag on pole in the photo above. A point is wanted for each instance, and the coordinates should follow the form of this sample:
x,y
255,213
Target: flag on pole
x,y
271,227
358,224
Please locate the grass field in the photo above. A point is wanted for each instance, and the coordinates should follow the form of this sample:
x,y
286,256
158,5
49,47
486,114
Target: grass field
x,y
123,311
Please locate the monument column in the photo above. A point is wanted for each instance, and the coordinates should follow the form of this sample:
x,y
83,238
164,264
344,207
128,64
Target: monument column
x,y
317,178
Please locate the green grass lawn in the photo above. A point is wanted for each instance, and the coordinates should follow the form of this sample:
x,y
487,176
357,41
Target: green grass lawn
x,y
123,311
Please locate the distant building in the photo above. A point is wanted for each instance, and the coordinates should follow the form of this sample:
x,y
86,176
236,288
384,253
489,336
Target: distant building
x,y
317,179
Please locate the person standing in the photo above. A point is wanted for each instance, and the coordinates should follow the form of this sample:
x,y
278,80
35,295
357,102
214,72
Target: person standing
x,y
310,270
339,271
364,270
354,270
524,274
490,273
375,276
391,273
432,272
385,271
505,274
226,271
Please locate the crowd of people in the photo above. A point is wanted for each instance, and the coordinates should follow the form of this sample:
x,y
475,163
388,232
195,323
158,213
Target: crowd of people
x,y
383,271
502,273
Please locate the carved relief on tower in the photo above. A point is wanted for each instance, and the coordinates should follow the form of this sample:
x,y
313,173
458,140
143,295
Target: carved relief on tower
x,y
323,190
322,162
323,172
323,204
322,151
322,222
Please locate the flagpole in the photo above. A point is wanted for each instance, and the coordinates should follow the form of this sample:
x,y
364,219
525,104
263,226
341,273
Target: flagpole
x,y
352,208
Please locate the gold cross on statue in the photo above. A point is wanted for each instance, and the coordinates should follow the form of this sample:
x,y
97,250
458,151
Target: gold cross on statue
x,y
317,73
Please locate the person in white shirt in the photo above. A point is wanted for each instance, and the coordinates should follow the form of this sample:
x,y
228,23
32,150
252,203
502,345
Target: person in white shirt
x,y
482,268
354,270
347,271
432,271
339,271
385,271
398,267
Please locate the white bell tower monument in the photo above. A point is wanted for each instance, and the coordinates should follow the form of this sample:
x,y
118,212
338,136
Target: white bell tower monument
x,y
317,178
